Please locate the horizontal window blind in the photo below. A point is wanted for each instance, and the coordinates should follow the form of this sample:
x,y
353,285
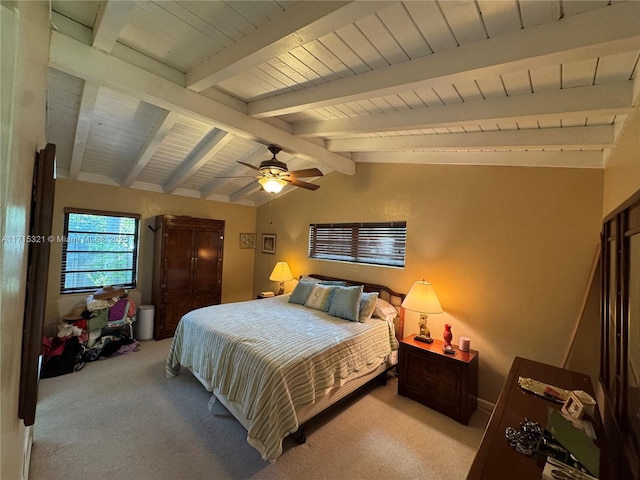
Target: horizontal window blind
x,y
98,249
370,243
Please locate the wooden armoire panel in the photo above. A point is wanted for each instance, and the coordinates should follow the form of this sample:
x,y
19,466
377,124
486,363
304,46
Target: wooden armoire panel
x,y
187,271
205,278
178,257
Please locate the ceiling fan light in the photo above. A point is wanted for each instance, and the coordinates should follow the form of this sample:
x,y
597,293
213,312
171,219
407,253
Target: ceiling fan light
x,y
272,185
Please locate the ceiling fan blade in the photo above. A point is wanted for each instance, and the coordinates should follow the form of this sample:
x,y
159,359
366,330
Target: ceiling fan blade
x,y
248,165
301,184
309,172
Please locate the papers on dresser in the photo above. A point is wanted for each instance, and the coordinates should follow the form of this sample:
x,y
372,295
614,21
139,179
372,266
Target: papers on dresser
x,y
556,470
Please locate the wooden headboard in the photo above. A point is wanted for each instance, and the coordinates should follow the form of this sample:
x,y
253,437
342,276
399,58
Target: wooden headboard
x,y
384,292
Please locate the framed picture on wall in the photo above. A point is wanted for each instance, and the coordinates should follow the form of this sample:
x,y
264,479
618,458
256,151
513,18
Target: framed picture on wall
x,y
247,240
268,243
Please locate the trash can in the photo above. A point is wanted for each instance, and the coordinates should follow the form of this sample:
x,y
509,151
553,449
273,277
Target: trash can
x,y
145,322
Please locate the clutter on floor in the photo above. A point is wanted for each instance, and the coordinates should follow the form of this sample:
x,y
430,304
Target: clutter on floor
x,y
100,327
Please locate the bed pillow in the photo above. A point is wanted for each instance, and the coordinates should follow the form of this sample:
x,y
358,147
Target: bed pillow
x,y
367,306
385,310
320,297
301,292
307,278
346,303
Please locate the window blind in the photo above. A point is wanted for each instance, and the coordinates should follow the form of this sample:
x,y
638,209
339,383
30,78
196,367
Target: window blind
x,y
98,249
370,243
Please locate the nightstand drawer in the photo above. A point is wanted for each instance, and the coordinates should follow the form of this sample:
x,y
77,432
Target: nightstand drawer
x,y
431,392
434,370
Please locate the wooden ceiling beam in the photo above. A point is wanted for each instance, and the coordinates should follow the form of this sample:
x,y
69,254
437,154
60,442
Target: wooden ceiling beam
x,y
75,58
198,157
248,189
595,33
112,16
236,170
607,99
83,126
553,158
295,27
600,136
162,129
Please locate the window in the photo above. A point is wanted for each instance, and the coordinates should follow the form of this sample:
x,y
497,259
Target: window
x,y
370,243
99,248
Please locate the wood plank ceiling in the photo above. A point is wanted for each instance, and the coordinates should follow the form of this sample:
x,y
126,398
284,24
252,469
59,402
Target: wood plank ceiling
x,y
167,96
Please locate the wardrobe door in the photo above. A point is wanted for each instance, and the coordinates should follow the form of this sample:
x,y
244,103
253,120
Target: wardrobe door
x,y
174,307
178,261
208,258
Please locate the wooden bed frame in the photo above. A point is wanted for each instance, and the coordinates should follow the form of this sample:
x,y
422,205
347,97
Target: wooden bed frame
x,y
305,414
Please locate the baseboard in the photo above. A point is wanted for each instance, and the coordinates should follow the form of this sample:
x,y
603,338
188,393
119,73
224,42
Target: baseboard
x,y
486,405
26,451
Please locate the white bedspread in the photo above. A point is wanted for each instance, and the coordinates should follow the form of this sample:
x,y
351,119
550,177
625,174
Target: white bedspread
x,y
271,356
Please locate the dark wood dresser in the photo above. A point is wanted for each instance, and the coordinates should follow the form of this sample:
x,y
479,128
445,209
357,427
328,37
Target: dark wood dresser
x,y
496,459
447,383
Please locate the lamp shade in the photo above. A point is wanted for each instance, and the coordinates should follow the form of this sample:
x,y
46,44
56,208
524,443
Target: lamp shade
x,y
422,298
272,185
281,273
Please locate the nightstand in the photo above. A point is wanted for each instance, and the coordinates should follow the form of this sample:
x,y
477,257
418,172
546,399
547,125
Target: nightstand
x,y
447,383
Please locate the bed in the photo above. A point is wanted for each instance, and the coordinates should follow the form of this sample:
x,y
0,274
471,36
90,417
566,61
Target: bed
x,y
275,363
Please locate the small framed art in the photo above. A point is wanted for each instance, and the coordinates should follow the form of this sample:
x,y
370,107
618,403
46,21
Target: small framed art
x,y
268,243
247,240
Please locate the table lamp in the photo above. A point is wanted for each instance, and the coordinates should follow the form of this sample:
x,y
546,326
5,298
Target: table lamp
x,y
281,273
422,298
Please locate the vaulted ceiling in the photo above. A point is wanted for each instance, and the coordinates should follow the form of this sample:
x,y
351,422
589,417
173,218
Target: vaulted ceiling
x,y
168,96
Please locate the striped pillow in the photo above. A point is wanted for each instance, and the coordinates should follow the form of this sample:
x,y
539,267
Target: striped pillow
x,y
346,303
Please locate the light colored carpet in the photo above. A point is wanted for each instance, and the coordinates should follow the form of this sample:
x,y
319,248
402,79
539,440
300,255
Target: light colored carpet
x,y
122,418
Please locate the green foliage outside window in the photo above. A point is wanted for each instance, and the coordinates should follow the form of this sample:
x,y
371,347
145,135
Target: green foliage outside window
x,y
99,249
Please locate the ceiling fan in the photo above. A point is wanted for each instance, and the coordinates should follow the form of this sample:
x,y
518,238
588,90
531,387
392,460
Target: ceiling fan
x,y
275,174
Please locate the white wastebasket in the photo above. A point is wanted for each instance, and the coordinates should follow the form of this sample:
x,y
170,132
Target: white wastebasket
x,y
144,322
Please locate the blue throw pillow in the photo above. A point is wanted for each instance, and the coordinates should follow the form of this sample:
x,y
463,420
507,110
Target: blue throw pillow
x,y
367,306
301,292
346,303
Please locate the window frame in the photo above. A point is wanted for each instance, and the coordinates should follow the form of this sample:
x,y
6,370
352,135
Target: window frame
x,y
346,238
64,271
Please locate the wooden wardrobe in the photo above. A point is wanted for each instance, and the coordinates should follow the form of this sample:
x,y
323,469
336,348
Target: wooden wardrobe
x,y
187,268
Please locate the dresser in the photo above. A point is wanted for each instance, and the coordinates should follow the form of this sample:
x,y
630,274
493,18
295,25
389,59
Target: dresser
x,y
496,459
187,268
447,383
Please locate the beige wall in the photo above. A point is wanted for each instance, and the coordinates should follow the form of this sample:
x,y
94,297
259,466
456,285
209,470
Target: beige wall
x,y
23,81
509,250
622,172
237,276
